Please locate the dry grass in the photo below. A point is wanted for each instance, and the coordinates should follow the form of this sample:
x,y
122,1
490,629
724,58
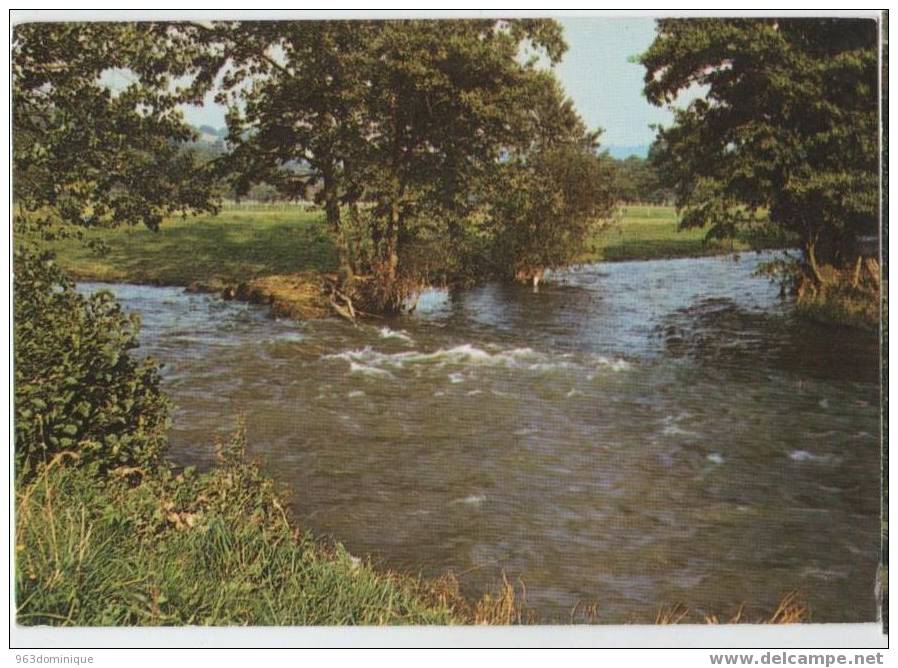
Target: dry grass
x,y
588,612
792,609
672,614
298,296
849,296
507,605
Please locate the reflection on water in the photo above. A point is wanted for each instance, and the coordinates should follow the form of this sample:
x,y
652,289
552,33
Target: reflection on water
x,y
634,434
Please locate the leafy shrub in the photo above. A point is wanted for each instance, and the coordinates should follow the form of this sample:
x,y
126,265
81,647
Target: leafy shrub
x,y
77,387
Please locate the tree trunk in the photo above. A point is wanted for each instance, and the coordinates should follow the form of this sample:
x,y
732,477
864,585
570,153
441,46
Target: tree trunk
x,y
391,261
355,252
334,223
810,251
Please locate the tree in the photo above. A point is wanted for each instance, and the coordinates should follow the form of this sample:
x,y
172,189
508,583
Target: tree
x,y
551,192
399,120
626,179
85,155
448,100
787,125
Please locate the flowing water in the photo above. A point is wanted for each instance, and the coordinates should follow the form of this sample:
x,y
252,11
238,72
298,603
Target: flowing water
x,y
631,435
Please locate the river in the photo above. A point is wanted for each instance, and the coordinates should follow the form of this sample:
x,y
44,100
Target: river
x,y
633,434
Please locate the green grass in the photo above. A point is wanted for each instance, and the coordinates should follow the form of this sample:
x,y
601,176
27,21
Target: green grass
x,y
845,297
201,549
650,232
238,244
242,243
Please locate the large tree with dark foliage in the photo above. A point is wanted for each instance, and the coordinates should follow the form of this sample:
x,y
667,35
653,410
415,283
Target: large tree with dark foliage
x,y
403,125
87,155
787,124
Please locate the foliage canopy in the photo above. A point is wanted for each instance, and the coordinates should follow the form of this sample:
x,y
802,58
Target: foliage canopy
x,y
787,124
86,155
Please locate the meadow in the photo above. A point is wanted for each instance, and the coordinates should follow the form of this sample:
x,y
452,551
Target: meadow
x,y
244,242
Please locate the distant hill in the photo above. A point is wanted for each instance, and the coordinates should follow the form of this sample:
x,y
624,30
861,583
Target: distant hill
x,y
209,134
622,152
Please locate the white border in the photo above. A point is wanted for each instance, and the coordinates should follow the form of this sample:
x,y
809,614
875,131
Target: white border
x,y
808,636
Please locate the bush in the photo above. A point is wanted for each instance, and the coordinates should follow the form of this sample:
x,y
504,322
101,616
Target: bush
x,y
77,387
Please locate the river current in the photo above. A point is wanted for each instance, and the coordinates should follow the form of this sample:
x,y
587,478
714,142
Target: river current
x,y
631,435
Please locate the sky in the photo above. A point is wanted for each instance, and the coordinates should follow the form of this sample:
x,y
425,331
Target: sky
x,y
605,86
596,72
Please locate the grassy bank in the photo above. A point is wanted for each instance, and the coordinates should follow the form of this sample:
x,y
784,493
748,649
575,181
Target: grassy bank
x,y
246,242
651,232
155,547
166,548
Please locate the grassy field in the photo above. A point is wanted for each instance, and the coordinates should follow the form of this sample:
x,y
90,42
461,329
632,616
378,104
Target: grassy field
x,y
650,232
242,243
238,244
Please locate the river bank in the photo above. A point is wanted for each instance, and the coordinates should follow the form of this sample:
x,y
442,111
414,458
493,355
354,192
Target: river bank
x,y
282,254
171,546
174,547
243,243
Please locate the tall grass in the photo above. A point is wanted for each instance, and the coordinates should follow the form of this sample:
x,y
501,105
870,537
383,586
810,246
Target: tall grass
x,y
166,548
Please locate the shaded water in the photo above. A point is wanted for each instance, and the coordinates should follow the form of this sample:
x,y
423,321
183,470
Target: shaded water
x,y
635,434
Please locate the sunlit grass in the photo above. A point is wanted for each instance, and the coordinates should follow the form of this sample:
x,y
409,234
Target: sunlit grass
x,y
651,232
236,245
246,242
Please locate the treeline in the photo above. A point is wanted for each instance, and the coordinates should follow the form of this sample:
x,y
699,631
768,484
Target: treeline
x,y
635,180
639,181
446,152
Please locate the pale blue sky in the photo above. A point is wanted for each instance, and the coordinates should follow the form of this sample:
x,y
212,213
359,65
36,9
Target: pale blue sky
x,y
595,72
604,85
